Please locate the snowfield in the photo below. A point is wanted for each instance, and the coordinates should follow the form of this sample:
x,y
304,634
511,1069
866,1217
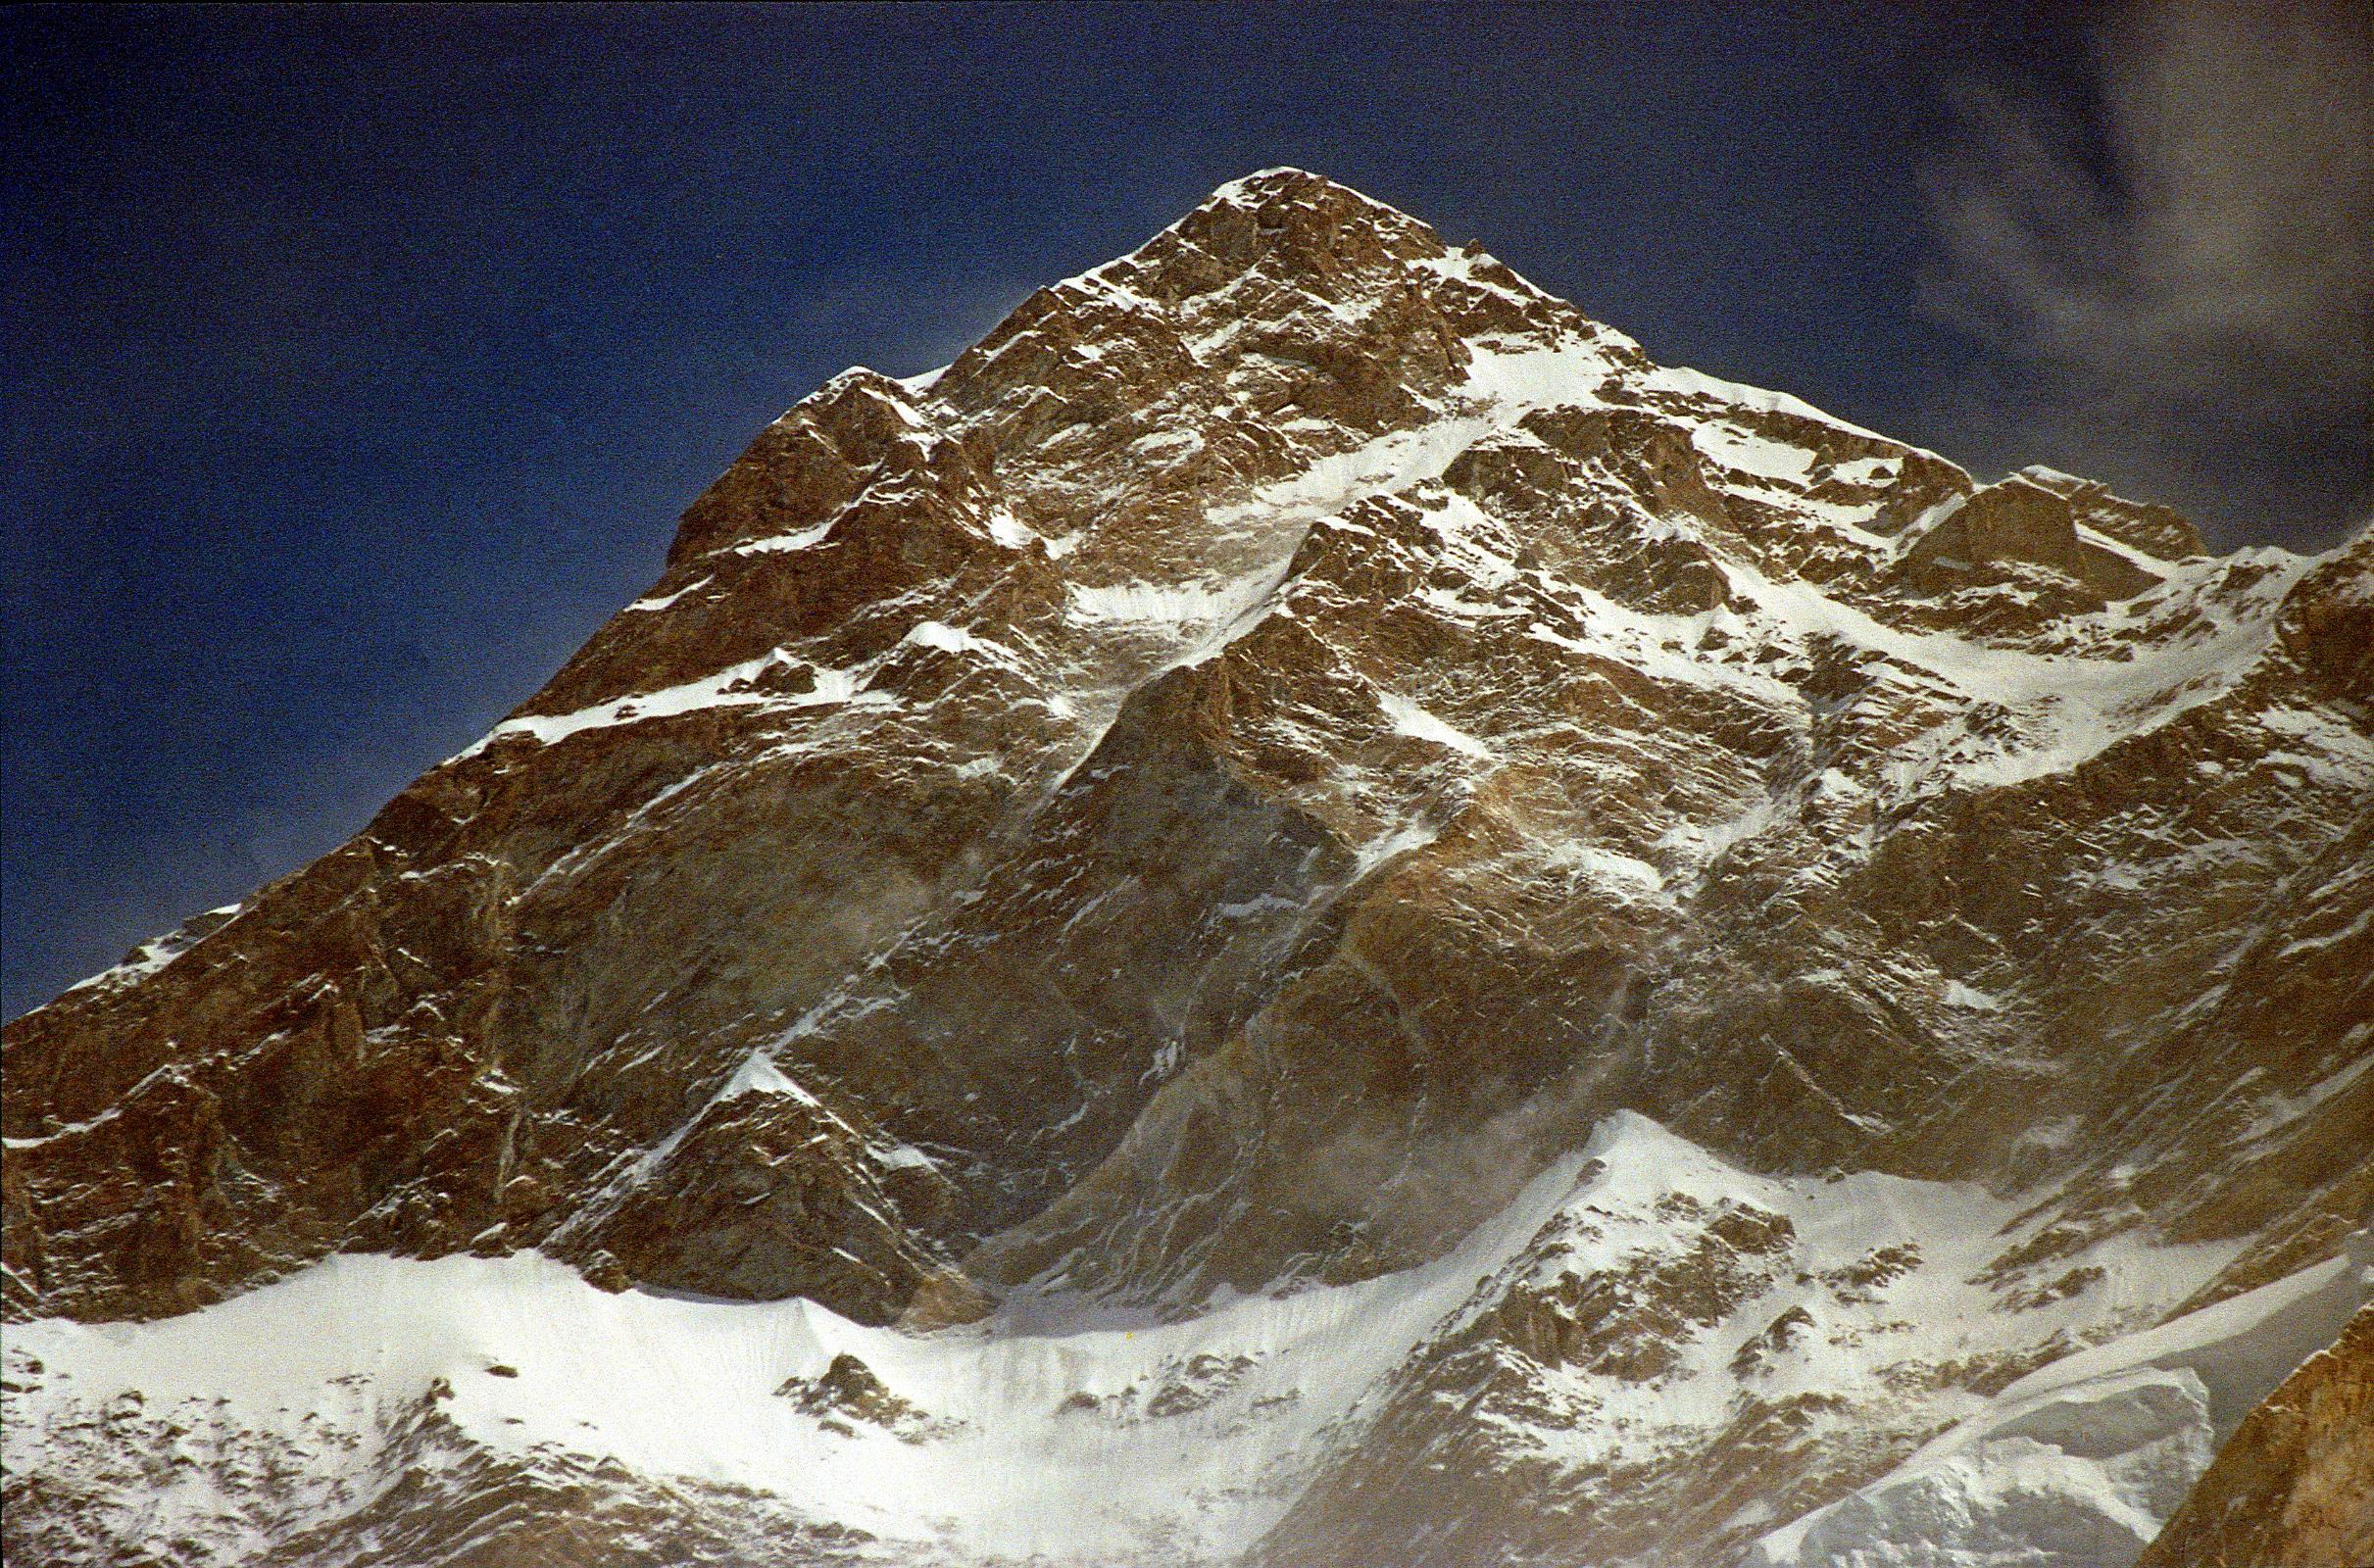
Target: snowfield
x,y
1031,1435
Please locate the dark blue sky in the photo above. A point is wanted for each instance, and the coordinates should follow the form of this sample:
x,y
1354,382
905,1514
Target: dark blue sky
x,y
360,362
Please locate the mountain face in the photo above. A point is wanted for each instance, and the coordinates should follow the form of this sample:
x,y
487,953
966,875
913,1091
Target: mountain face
x,y
1301,913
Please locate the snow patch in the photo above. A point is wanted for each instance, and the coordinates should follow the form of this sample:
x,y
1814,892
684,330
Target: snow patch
x,y
1734,448
1408,719
662,601
831,686
1150,604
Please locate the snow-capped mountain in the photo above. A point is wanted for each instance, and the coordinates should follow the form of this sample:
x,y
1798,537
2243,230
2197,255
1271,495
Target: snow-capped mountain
x,y
1301,914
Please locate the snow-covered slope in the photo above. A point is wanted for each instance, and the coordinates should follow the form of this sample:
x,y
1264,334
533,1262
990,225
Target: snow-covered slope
x,y
2082,1460
1303,875
1033,1434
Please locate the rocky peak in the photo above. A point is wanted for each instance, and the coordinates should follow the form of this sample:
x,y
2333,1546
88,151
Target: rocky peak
x,y
1282,267
1306,792
1285,225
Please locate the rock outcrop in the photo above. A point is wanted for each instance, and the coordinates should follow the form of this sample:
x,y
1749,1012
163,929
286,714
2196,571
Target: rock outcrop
x,y
2026,521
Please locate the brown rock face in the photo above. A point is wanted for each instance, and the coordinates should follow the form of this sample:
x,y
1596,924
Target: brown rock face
x,y
2153,530
1298,765
2022,521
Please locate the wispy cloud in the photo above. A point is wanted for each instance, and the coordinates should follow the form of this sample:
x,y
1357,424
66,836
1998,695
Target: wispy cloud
x,y
2194,260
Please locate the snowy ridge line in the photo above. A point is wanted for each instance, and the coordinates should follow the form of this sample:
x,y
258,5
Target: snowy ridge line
x,y
1688,383
158,952
833,687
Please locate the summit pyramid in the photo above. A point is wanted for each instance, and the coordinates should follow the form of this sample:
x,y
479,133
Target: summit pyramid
x,y
1301,914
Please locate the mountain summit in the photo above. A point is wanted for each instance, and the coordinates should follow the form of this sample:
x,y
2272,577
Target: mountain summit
x,y
1302,912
